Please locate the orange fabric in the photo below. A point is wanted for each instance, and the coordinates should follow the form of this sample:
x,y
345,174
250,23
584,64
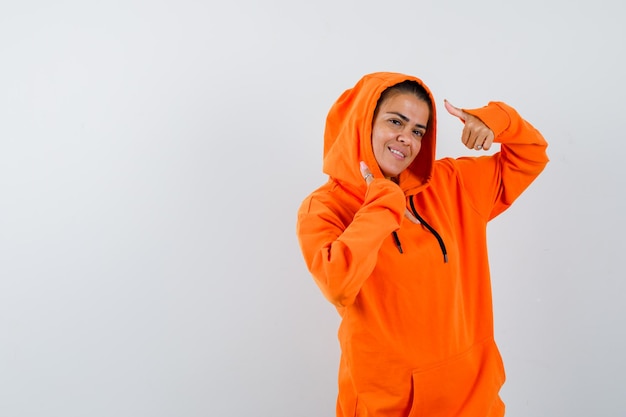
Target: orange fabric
x,y
416,333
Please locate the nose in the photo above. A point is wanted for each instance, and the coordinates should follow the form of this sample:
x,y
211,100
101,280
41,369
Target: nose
x,y
405,137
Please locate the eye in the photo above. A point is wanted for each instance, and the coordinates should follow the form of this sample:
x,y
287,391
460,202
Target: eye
x,y
395,122
418,133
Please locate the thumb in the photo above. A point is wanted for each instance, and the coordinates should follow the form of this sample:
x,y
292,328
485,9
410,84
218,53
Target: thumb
x,y
455,111
367,174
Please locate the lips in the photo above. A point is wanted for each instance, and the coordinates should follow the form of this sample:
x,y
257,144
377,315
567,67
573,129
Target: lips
x,y
396,153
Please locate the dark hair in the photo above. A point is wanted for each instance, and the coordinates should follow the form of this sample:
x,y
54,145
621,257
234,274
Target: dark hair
x,y
405,87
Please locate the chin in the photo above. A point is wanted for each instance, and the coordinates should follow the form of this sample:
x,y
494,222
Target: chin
x,y
390,173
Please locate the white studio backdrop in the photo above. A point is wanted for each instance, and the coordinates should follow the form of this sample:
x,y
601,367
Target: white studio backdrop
x,y
153,156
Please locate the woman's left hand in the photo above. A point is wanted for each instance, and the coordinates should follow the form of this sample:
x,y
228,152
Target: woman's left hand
x,y
476,134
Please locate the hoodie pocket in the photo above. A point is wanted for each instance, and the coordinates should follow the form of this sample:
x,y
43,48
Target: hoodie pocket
x,y
466,384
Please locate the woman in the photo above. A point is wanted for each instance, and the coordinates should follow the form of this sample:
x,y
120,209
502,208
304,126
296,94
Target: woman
x,y
396,240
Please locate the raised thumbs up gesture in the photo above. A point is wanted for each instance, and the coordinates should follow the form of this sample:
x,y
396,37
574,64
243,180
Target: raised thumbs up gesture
x,y
476,134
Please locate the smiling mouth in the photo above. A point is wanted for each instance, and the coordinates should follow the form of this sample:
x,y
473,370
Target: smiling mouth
x,y
396,152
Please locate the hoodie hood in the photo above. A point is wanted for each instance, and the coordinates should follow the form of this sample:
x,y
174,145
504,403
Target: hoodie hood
x,y
348,136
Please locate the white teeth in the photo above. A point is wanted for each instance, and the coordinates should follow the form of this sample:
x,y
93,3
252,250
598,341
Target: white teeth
x,y
397,152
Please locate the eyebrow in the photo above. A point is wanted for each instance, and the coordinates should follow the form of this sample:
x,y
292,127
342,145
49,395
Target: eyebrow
x,y
406,119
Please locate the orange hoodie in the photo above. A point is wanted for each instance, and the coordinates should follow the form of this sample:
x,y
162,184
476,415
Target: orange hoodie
x,y
416,333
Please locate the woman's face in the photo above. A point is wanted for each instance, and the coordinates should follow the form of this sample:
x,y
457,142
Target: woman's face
x,y
397,132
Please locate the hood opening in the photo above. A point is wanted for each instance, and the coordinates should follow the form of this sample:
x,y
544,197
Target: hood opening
x,y
348,135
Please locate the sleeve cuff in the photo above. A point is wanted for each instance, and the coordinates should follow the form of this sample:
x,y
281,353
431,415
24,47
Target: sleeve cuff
x,y
493,115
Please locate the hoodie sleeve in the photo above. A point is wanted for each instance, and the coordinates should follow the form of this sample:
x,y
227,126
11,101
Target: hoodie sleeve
x,y
494,182
341,257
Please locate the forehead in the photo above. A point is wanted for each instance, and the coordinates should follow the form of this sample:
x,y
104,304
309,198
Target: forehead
x,y
408,104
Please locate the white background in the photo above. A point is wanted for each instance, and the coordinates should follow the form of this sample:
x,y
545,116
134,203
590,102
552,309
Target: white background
x,y
153,155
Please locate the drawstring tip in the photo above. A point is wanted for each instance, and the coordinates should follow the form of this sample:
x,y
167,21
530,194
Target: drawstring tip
x,y
396,239
445,258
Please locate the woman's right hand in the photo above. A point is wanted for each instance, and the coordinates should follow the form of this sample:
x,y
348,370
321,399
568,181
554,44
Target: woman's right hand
x,y
367,174
369,177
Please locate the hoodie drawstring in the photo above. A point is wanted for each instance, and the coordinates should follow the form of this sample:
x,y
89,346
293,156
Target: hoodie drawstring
x,y
397,240
442,245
